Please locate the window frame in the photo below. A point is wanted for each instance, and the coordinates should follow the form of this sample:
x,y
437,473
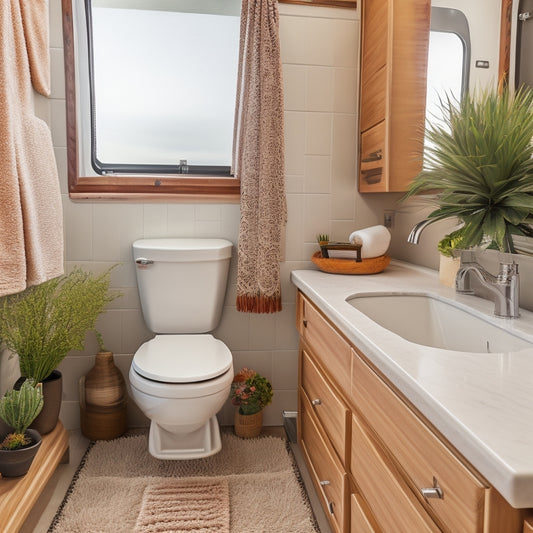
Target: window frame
x,y
204,187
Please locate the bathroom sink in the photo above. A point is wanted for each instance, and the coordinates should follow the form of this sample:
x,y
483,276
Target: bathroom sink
x,y
429,321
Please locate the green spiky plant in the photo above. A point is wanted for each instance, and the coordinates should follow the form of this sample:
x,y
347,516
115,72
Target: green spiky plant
x,y
18,409
479,163
43,323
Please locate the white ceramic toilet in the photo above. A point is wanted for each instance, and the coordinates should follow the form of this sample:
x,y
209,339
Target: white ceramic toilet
x,y
181,378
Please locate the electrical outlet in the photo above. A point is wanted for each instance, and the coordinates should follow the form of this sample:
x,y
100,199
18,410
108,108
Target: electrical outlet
x,y
388,219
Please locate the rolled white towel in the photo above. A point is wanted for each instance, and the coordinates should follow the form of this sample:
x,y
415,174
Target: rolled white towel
x,y
374,241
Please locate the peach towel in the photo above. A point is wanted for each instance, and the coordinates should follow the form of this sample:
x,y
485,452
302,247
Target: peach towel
x,y
31,220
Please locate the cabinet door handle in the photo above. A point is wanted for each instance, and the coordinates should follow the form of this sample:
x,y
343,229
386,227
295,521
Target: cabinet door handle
x,y
317,401
433,492
372,175
304,322
373,156
330,504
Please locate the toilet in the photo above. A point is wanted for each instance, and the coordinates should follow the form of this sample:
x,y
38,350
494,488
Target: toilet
x,y
182,377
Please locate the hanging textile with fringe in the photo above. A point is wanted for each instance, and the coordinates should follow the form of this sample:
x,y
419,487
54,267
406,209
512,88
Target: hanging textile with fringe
x,y
258,158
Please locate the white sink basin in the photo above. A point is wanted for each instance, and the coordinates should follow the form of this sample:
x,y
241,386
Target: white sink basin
x,y
425,320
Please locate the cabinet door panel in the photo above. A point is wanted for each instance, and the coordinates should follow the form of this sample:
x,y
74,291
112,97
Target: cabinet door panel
x,y
328,408
372,176
375,28
329,348
406,435
394,506
359,522
374,87
327,473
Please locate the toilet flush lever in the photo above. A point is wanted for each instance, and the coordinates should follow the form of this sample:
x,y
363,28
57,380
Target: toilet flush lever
x,y
142,261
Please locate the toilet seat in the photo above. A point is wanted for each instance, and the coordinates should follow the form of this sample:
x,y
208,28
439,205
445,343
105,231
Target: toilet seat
x,y
182,358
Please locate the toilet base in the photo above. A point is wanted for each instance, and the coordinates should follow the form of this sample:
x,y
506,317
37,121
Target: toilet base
x,y
200,443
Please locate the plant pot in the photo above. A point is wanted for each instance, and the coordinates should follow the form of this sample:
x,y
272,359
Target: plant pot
x,y
448,268
248,426
47,419
16,463
103,399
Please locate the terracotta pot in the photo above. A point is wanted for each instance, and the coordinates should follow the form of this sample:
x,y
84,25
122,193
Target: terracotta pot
x,y
103,399
248,426
47,419
16,463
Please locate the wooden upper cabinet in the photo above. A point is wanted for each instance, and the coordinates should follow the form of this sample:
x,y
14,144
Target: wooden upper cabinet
x,y
394,51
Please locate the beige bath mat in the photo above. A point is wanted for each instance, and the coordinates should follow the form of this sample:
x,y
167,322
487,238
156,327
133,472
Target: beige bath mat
x,y
192,505
265,491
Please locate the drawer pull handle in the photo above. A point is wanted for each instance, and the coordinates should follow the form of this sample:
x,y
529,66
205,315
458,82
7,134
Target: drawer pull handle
x,y
304,322
433,492
373,156
318,401
330,507
325,482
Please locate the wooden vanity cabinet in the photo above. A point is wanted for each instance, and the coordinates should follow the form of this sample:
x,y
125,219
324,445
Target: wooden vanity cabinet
x,y
385,468
394,49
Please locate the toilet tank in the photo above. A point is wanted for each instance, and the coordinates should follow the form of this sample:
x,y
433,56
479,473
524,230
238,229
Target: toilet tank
x,y
182,282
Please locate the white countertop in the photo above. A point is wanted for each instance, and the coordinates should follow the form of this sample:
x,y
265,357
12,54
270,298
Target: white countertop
x,y
482,403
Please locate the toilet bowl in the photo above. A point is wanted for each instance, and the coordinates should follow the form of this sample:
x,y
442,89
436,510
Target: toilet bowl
x,y
182,377
180,382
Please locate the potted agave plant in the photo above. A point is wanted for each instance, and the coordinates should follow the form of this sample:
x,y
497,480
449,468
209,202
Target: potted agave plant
x,y
251,392
44,322
478,169
18,409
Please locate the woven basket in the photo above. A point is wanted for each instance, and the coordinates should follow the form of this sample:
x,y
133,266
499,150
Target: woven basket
x,y
350,266
248,426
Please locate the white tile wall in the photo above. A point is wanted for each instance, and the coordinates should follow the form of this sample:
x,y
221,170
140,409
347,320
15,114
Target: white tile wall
x,y
320,66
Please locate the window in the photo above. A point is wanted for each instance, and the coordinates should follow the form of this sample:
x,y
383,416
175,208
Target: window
x,y
448,59
151,97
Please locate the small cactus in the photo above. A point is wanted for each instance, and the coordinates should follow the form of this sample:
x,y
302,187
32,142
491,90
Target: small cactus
x,y
18,409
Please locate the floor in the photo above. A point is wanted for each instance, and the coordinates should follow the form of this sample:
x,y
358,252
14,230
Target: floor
x,y
44,510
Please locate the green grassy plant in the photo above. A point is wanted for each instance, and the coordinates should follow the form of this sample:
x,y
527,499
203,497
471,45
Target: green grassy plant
x,y
479,163
43,323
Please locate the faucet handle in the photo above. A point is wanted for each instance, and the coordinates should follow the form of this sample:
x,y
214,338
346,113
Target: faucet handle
x,y
507,271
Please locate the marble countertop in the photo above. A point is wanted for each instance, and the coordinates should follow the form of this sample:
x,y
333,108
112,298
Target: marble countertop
x,y
481,402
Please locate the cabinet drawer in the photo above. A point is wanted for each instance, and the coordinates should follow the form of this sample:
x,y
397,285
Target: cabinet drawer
x,y
374,88
394,506
421,454
328,408
373,159
329,348
326,471
359,522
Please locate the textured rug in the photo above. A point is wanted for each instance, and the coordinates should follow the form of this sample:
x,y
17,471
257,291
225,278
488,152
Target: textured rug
x,y
193,504
116,486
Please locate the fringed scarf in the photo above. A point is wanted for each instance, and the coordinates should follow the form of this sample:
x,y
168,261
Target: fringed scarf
x,y
258,158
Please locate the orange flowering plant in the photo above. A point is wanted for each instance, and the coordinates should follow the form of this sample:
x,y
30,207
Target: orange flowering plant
x,y
250,391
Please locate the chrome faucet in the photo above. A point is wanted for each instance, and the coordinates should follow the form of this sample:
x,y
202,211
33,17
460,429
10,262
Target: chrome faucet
x,y
502,289
418,228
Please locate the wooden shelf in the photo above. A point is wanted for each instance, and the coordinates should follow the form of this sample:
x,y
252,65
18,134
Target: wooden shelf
x,y
18,495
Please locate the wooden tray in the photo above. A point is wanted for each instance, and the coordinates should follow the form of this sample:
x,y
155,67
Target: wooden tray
x,y
350,266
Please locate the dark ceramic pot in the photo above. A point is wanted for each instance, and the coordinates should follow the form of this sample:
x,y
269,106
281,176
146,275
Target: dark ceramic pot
x,y
47,419
16,463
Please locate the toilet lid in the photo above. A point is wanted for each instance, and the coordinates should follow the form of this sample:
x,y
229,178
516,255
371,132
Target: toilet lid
x,y
182,358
